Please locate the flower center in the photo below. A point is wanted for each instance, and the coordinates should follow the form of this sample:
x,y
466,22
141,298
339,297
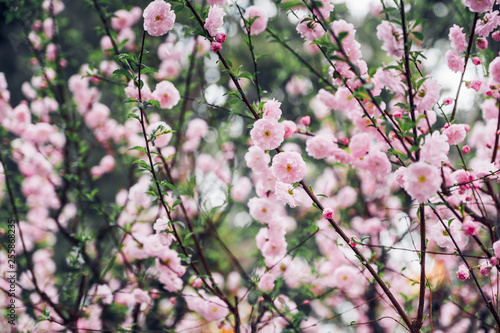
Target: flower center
x,y
158,18
267,133
290,192
445,233
421,93
421,178
288,168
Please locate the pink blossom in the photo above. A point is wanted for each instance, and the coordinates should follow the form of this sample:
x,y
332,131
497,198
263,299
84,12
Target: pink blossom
x,y
494,70
261,209
127,34
480,6
159,129
496,36
475,84
485,268
168,69
455,133
328,213
320,146
359,145
53,6
214,20
289,167
377,163
290,128
427,95
470,227
266,282
241,189
487,24
435,149
421,181
271,110
290,195
476,61
166,93
260,23
267,134
306,120
482,43
221,38
463,272
454,61
344,275
158,18
392,36
211,308
457,38
257,159
298,86
309,29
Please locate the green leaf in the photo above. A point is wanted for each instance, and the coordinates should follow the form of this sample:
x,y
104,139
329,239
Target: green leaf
x,y
155,103
149,70
291,4
124,72
139,148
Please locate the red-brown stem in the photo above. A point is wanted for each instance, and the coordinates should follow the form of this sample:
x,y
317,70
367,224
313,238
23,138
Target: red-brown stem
x,y
408,74
423,244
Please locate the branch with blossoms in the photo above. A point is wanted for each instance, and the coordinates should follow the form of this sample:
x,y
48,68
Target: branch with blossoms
x,y
213,166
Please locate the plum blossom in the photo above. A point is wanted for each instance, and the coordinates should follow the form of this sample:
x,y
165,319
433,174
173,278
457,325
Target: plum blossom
x,y
454,61
457,38
289,167
260,23
455,133
427,95
271,110
421,181
391,35
267,134
158,18
320,146
494,70
166,94
463,272
487,24
480,6
290,195
214,20
309,29
435,149
257,159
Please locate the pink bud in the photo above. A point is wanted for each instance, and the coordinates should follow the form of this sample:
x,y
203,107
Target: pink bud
x,y
496,36
172,300
154,293
216,47
466,127
485,270
476,61
465,149
328,213
345,141
221,38
448,101
493,261
482,43
306,302
305,120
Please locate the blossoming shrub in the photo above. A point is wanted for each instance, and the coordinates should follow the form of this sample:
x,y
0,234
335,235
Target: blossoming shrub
x,y
215,166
